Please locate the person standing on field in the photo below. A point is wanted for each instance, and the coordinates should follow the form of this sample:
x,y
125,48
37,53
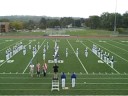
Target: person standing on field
x,y
38,69
63,78
73,78
55,69
66,52
77,52
86,52
44,69
31,69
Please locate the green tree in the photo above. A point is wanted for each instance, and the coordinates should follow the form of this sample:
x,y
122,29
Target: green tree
x,y
30,25
43,23
77,23
17,25
4,20
108,20
87,22
94,22
66,21
105,20
125,20
51,23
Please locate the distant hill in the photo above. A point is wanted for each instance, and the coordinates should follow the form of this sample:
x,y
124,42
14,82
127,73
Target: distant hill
x,y
26,18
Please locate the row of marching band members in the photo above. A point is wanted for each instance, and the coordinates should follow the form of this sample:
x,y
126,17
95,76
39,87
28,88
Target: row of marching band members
x,y
11,52
103,55
18,47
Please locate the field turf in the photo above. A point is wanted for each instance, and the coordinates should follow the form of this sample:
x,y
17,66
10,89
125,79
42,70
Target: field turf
x,y
93,78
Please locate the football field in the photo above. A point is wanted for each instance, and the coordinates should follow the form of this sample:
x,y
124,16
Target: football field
x,y
94,76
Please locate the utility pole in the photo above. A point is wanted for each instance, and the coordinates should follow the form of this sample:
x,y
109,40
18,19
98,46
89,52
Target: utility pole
x,y
115,18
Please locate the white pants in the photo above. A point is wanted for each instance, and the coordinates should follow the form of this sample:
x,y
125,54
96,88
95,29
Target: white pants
x,y
99,54
55,60
86,54
43,56
96,52
31,72
24,52
107,60
63,82
73,82
29,46
7,57
111,64
33,53
66,54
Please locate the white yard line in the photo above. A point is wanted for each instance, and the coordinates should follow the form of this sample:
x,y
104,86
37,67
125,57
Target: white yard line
x,y
100,90
109,51
3,63
78,58
32,58
116,47
24,83
68,78
66,83
68,89
3,42
119,43
104,62
94,74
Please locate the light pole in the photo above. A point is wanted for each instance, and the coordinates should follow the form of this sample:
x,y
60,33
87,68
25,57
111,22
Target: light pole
x,y
115,18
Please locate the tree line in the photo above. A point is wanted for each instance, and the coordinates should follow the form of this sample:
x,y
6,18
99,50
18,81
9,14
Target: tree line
x,y
105,21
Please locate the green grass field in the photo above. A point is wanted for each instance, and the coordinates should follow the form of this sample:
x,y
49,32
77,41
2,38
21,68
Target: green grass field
x,y
64,31
93,78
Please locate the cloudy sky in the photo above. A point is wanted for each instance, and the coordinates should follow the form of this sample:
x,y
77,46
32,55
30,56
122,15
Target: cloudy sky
x,y
61,8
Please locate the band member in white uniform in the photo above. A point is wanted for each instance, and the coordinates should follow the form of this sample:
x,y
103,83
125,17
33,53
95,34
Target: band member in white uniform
x,y
86,52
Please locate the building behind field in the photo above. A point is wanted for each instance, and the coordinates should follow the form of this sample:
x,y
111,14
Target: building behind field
x,y
4,27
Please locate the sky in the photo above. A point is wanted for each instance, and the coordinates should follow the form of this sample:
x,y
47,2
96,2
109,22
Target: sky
x,y
62,8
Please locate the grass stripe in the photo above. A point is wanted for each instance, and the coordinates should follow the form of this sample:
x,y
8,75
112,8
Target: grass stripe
x,y
78,58
3,42
118,43
116,47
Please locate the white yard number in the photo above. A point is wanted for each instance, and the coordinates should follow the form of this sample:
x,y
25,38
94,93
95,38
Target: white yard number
x,y
59,61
